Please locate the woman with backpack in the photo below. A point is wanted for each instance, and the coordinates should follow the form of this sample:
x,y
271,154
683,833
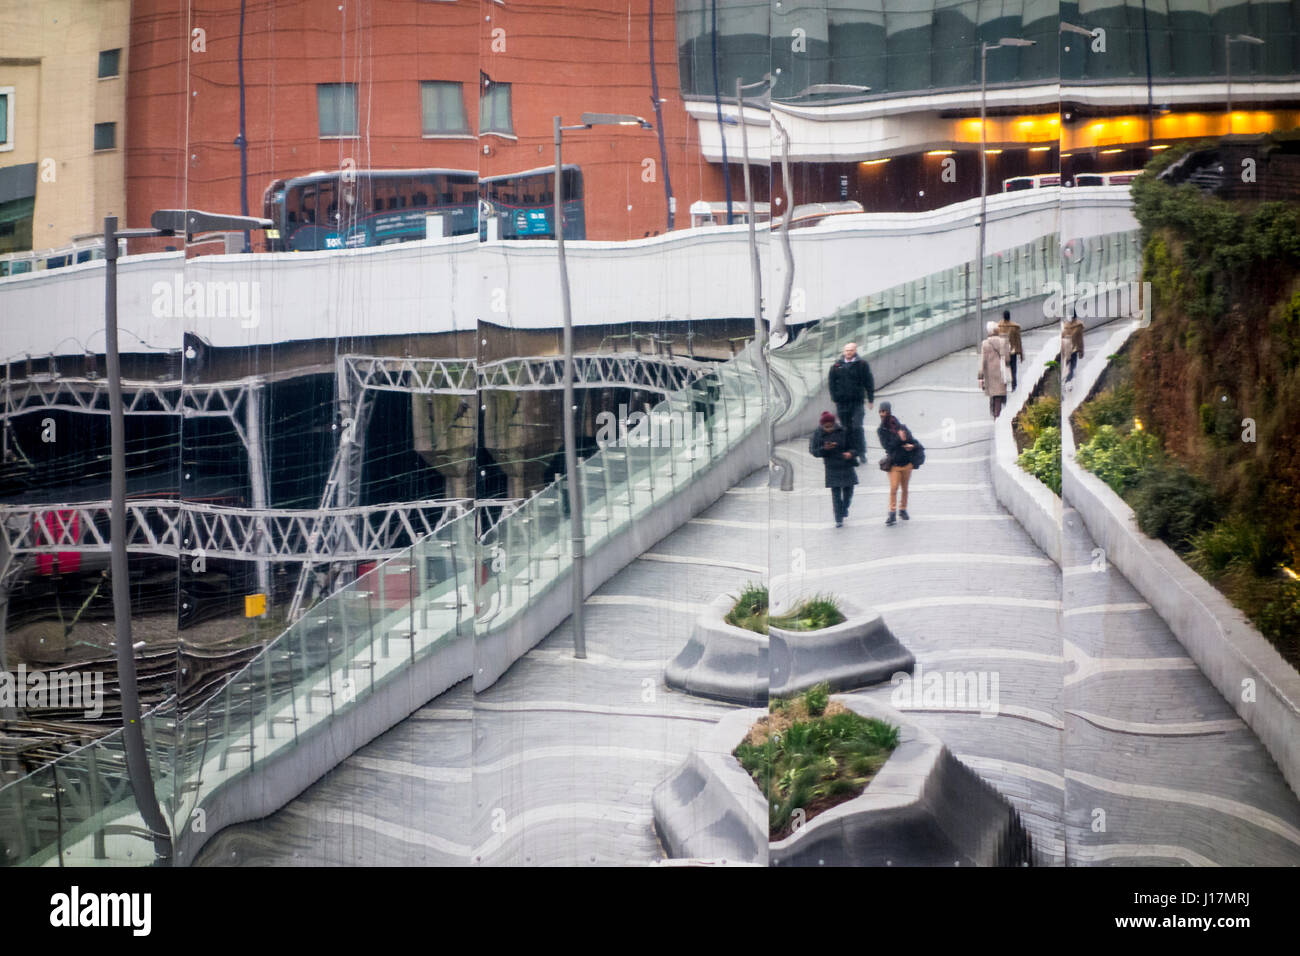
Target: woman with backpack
x,y
903,454
836,446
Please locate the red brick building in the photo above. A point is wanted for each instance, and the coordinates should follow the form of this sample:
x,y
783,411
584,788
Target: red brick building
x,y
376,83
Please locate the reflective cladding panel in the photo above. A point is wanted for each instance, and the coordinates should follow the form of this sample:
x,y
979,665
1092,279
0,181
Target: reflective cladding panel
x,y
331,571
583,753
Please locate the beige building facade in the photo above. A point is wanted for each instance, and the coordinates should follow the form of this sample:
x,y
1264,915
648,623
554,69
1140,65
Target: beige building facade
x,y
63,75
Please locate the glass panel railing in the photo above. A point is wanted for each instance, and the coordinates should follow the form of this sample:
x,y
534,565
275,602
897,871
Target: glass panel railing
x,y
891,318
80,808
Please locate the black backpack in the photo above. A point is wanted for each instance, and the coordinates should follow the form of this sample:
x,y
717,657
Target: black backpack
x,y
918,454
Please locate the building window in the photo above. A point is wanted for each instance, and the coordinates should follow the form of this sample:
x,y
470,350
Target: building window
x,y
105,135
494,110
6,117
109,63
338,108
16,225
442,108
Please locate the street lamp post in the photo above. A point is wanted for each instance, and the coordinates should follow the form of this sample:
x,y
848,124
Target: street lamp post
x,y
577,529
166,222
1064,27
1228,40
782,471
759,331
779,333
984,185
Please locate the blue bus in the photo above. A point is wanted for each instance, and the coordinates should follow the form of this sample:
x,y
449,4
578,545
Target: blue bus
x,y
344,209
523,204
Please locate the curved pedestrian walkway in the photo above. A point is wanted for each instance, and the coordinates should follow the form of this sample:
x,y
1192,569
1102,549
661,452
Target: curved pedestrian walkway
x,y
1103,734
556,762
961,585
1107,738
1159,768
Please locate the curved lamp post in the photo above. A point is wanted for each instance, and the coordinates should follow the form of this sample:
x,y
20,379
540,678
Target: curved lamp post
x,y
165,222
984,185
1228,40
577,529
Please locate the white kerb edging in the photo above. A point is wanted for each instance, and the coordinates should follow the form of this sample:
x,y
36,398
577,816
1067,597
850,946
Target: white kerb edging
x,y
1030,501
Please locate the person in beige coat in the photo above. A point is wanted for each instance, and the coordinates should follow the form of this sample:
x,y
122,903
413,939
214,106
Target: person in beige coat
x,y
993,375
1072,344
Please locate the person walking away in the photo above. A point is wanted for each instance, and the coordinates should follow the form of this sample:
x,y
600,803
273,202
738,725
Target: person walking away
x,y
1072,343
837,449
850,382
1011,332
993,369
902,452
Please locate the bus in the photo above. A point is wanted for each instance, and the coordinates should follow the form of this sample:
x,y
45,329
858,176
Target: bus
x,y
345,209
523,204
20,263
1107,179
1041,181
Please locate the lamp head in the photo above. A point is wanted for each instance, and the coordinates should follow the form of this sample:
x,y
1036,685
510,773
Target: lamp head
x,y
614,119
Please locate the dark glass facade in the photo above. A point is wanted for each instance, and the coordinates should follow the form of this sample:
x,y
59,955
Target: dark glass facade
x,y
900,47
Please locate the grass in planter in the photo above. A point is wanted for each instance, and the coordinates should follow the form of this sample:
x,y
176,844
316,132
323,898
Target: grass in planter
x,y
811,753
750,611
811,615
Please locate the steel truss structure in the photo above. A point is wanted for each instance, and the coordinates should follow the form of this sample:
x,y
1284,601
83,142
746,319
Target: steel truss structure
x,y
340,530
179,528
652,373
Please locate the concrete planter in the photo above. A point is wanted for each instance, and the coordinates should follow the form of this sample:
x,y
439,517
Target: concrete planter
x,y
709,809
924,808
721,661
856,653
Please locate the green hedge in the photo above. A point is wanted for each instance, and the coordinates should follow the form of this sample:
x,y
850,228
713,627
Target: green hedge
x,y
1117,459
1043,458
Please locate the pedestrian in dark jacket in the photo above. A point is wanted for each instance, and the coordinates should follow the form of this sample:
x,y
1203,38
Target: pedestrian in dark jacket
x,y
839,453
1015,347
850,382
901,449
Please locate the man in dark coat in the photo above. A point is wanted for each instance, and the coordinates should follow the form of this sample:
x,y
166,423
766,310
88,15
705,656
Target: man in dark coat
x,y
839,452
851,382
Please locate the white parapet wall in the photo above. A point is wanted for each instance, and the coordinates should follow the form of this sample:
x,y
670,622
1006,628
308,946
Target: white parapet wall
x,y
1030,501
443,285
